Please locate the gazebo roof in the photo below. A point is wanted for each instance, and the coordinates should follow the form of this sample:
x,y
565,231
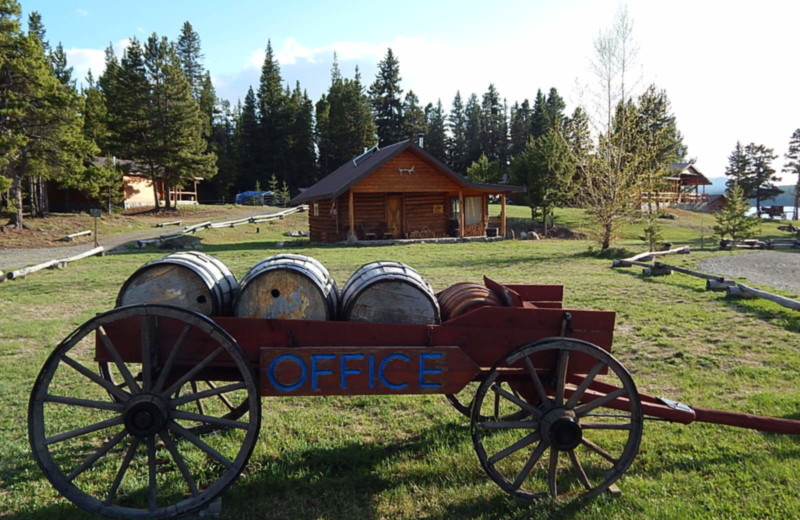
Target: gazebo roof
x,y
687,175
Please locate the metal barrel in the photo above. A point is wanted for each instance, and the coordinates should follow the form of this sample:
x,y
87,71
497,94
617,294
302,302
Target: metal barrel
x,y
191,280
289,287
389,292
466,296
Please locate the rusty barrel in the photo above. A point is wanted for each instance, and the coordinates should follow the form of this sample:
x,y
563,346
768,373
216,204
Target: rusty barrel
x,y
287,286
389,292
191,280
466,296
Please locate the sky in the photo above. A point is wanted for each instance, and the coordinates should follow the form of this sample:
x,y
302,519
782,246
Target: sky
x,y
729,68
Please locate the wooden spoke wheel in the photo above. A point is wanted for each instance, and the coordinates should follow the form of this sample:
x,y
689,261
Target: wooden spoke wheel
x,y
575,437
230,406
464,407
133,449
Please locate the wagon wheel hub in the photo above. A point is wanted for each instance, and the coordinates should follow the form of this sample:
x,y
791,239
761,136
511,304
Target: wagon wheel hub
x,y
561,428
145,415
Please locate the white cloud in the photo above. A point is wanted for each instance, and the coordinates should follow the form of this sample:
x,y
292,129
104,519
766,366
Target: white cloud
x,y
82,60
82,12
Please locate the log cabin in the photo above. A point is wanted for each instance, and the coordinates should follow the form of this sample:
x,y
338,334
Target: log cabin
x,y
400,191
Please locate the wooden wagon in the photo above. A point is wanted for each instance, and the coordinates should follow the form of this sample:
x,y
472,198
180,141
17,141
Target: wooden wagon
x,y
169,401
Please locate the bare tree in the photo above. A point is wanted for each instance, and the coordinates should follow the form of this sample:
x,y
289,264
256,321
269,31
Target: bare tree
x,y
611,176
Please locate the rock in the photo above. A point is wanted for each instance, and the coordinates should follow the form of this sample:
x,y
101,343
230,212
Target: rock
x,y
523,235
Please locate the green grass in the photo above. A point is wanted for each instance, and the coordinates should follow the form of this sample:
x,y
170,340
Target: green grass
x,y
411,456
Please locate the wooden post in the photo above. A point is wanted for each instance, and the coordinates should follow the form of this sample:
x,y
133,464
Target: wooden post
x,y
461,210
351,214
503,215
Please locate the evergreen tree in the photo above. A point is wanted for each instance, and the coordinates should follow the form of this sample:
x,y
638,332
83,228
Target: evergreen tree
x,y
732,219
554,107
473,133
37,30
344,121
494,130
540,119
188,47
301,156
792,166
58,60
738,166
414,122
457,141
761,176
272,118
545,168
387,107
246,138
485,171
95,115
578,135
40,123
436,138
520,127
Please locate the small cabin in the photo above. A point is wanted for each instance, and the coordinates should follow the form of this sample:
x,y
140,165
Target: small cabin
x,y
400,191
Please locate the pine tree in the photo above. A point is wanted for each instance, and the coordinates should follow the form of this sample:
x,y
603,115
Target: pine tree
x,y
414,122
520,127
436,138
540,119
738,166
344,121
457,141
181,127
387,107
58,60
188,47
792,166
40,123
554,107
301,156
246,137
761,176
545,168
732,219
485,171
473,130
579,136
272,118
494,130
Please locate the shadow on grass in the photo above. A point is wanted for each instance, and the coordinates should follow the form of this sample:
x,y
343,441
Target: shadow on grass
x,y
346,482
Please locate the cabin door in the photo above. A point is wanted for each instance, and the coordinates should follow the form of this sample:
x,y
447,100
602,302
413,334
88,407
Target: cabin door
x,y
394,215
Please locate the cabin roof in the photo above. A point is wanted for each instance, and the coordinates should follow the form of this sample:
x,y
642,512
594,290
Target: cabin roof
x,y
354,170
688,175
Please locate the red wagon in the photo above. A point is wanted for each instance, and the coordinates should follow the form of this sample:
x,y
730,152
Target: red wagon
x,y
169,401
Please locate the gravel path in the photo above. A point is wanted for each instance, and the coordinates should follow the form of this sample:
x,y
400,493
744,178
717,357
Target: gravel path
x,y
779,270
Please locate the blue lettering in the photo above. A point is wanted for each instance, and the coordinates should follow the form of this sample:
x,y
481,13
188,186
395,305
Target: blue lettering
x,y
423,371
382,368
316,372
348,371
271,372
372,370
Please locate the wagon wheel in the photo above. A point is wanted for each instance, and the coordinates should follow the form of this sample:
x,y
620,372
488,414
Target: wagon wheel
x,y
226,405
592,437
458,402
135,454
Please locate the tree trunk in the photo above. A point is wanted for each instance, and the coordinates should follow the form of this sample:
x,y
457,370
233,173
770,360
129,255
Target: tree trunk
x,y
155,191
16,195
796,199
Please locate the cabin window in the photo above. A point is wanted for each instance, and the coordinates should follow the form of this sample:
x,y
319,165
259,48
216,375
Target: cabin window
x,y
316,209
473,210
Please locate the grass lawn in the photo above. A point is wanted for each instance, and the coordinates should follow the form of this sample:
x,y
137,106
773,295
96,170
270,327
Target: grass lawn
x,y
412,456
